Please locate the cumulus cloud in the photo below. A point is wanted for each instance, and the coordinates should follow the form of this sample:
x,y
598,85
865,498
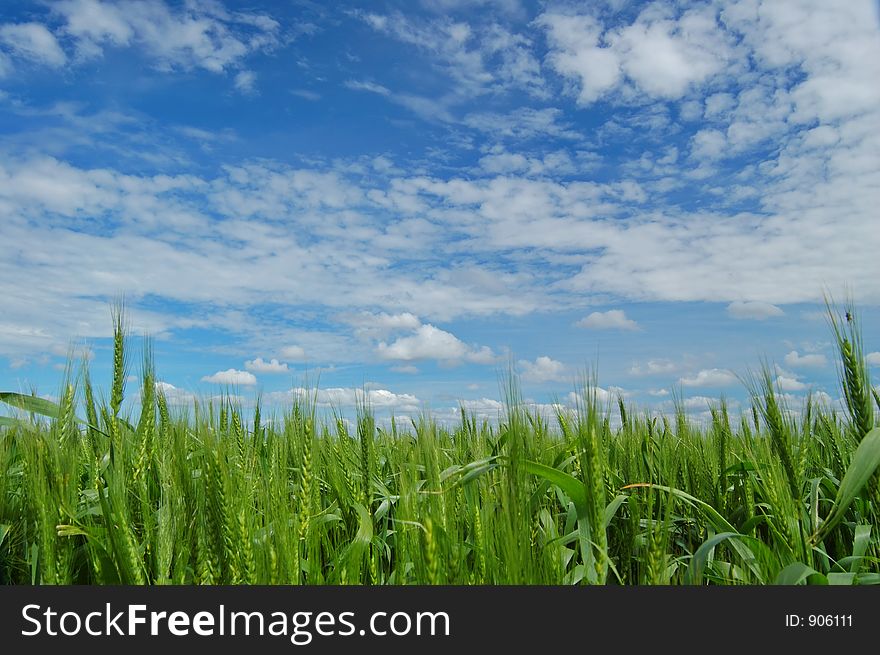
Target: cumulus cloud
x,y
349,397
543,369
175,395
430,342
483,407
694,403
796,360
378,326
713,377
873,358
293,353
231,376
660,54
789,383
603,396
578,54
753,310
665,56
259,365
613,319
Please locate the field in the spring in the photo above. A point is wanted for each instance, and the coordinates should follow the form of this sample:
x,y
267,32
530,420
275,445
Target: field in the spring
x,y
93,494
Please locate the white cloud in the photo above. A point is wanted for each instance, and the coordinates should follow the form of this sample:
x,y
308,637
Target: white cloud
x,y
754,310
613,319
481,355
366,85
245,81
708,144
654,367
259,365
835,45
348,397
368,325
174,395
483,407
789,383
873,358
665,56
659,392
33,41
429,109
198,35
699,403
73,352
387,399
543,369
713,377
6,66
603,396
577,53
476,61
306,94
661,55
430,342
231,376
796,360
823,398
293,353
523,123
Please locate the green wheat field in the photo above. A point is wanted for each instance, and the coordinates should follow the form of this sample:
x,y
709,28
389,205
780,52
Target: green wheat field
x,y
91,493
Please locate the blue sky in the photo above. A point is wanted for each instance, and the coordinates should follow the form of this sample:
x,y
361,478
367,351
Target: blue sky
x,y
406,197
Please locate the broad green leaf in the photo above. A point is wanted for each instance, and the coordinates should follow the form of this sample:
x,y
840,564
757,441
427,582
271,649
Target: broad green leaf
x,y
694,573
610,511
860,545
31,404
365,525
612,507
35,405
475,469
842,579
864,462
573,487
795,574
4,530
450,471
868,578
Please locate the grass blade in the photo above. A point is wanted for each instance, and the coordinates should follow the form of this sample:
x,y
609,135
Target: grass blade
x,y
795,574
864,462
31,404
572,487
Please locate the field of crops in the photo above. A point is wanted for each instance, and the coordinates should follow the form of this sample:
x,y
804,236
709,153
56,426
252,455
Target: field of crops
x,y
93,494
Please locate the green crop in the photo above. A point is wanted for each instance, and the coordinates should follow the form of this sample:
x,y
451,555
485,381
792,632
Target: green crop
x,y
137,493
